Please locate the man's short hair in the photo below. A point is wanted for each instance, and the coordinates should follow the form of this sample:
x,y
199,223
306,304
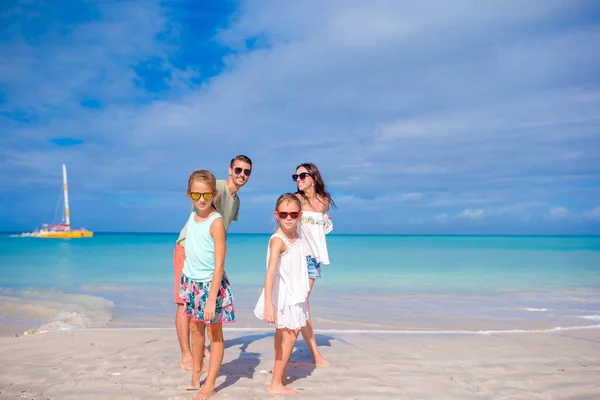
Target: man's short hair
x,y
242,158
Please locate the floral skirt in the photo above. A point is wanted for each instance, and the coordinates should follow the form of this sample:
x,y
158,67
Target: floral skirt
x,y
195,294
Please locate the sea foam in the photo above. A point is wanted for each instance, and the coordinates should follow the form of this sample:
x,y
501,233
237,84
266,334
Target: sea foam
x,y
42,310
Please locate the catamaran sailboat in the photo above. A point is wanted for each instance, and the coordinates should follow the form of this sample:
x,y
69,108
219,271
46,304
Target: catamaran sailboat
x,y
63,230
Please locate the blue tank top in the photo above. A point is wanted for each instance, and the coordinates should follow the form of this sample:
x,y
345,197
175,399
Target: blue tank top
x,y
199,263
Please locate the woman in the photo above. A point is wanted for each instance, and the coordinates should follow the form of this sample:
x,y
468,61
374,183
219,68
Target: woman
x,y
313,227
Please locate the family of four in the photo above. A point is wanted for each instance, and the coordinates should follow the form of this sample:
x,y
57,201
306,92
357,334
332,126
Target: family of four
x,y
295,254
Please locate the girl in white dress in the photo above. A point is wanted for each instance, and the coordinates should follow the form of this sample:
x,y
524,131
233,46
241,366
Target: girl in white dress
x,y
312,227
283,299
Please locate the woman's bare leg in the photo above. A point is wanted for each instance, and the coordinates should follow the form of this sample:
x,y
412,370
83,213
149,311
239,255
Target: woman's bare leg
x,y
308,334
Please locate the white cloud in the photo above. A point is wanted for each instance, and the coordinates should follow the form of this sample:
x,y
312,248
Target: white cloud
x,y
470,213
386,200
443,217
397,102
400,198
561,213
68,63
593,214
558,213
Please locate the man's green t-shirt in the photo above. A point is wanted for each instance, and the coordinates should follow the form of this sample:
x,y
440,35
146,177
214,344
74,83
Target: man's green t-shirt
x,y
226,205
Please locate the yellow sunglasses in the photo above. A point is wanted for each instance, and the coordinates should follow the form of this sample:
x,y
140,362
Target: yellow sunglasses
x,y
196,196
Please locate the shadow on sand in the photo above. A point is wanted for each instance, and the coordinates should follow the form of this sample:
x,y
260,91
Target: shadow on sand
x,y
245,365
301,364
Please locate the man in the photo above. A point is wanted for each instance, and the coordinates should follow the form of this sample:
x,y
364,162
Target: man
x,y
227,203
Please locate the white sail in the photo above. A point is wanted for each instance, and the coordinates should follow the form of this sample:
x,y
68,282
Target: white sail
x,y
65,188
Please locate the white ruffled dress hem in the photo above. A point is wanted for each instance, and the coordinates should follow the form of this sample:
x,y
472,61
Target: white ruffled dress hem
x,y
290,317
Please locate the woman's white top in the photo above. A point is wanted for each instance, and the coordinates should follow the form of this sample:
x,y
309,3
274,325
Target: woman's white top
x,y
290,286
313,227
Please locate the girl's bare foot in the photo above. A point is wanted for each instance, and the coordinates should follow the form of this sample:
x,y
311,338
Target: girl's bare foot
x,y
186,363
320,362
196,378
280,389
204,394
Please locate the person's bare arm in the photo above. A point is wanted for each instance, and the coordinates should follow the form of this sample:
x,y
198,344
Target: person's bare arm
x,y
276,247
217,231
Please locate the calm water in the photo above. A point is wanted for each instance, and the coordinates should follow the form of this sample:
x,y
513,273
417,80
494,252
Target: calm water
x,y
383,282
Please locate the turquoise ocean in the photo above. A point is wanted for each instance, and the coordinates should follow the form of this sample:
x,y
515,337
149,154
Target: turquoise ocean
x,y
423,284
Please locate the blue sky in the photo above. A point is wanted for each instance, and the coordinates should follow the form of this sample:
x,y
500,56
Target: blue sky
x,y
424,117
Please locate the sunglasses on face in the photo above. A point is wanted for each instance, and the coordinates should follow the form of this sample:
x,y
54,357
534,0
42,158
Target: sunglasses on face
x,y
284,214
301,175
196,196
239,170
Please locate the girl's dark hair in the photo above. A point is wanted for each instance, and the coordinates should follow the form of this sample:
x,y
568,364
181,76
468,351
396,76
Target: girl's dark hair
x,y
242,158
320,190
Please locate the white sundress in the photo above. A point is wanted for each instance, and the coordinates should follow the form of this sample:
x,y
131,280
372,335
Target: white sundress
x,y
313,227
290,287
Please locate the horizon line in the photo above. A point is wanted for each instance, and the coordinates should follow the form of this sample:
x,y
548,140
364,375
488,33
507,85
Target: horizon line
x,y
348,234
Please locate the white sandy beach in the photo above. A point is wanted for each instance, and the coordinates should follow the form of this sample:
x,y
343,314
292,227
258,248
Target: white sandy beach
x,y
142,364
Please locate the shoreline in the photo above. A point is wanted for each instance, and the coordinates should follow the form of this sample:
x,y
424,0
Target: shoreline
x,y
61,311
357,331
398,331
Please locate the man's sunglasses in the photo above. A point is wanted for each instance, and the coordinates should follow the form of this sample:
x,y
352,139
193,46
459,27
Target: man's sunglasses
x,y
284,214
196,196
301,175
239,170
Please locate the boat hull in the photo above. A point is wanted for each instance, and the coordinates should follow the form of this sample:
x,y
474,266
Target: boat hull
x,y
60,235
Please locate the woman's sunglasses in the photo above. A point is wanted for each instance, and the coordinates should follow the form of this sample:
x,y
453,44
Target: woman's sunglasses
x,y
284,214
301,175
239,170
196,196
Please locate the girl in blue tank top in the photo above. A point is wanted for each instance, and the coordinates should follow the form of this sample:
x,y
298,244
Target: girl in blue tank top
x,y
205,288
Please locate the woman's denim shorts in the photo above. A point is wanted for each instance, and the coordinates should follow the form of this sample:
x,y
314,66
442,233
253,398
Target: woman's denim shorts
x,y
314,268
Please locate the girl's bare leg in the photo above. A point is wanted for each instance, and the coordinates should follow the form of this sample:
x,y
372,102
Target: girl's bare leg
x,y
206,350
198,368
217,349
284,344
308,334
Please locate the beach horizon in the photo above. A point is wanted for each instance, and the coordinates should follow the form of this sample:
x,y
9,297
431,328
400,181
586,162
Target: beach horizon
x,y
473,234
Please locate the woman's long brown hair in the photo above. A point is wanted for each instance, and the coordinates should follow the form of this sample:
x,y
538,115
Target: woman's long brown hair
x,y
320,190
